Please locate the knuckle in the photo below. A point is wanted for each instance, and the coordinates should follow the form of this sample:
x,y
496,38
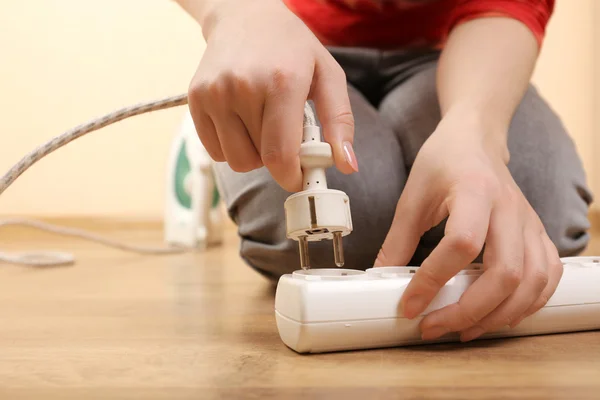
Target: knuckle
x,y
216,90
272,157
338,72
498,322
227,76
284,79
511,277
225,84
557,266
344,116
466,243
275,157
541,278
429,278
504,321
542,301
203,91
483,184
468,319
539,304
511,194
197,90
240,81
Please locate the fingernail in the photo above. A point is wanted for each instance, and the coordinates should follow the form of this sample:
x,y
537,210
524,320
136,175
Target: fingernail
x,y
472,333
350,156
414,306
434,332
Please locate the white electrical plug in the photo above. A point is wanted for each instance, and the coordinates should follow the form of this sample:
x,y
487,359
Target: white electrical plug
x,y
317,212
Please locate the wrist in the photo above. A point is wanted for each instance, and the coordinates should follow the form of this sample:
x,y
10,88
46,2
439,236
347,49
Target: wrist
x,y
210,14
472,124
213,12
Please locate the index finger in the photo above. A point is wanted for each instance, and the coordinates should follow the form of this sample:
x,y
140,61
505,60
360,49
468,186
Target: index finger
x,y
465,234
281,133
504,258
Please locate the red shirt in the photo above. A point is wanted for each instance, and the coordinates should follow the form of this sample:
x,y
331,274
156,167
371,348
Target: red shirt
x,y
409,23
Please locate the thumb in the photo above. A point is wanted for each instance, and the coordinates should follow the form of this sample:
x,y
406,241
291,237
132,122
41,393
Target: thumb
x,y
332,103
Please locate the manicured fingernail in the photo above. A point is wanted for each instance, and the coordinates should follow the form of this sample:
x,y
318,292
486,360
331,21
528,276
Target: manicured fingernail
x,y
434,332
472,333
413,306
350,156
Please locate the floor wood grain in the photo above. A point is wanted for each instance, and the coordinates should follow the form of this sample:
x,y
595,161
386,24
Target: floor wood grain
x,y
118,325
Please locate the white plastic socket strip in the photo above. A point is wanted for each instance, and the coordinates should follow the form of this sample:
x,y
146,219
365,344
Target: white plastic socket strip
x,y
325,310
49,258
317,212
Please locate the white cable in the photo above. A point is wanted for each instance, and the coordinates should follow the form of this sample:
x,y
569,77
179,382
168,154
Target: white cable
x,y
47,259
309,116
44,259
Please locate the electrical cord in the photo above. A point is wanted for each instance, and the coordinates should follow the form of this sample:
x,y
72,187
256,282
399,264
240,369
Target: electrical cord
x,y
49,259
91,126
45,259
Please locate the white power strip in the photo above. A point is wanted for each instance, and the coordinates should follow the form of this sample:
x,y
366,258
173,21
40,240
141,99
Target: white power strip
x,y
324,310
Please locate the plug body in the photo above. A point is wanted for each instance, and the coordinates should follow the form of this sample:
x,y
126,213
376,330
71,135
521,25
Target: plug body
x,y
317,212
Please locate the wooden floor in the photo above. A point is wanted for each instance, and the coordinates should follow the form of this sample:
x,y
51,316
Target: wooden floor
x,y
201,326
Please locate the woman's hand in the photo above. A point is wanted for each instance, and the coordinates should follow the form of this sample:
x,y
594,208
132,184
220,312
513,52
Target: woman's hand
x,y
461,173
247,98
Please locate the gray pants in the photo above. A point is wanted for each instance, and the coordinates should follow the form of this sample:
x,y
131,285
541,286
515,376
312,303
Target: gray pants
x,y
395,106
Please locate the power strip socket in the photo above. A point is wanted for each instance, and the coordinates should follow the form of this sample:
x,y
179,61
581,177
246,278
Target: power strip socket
x,y
325,310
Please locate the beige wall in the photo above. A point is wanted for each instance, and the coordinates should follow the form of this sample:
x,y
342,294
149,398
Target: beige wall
x,y
596,111
565,76
65,61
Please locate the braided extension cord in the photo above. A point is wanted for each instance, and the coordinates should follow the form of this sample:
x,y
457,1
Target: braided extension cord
x,y
81,130
47,259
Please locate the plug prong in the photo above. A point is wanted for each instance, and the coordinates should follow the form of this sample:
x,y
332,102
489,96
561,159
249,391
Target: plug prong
x,y
338,249
304,257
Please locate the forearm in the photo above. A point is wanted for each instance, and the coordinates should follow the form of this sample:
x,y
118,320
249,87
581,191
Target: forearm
x,y
485,69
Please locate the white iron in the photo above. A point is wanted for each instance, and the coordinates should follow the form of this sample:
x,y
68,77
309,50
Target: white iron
x,y
193,218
